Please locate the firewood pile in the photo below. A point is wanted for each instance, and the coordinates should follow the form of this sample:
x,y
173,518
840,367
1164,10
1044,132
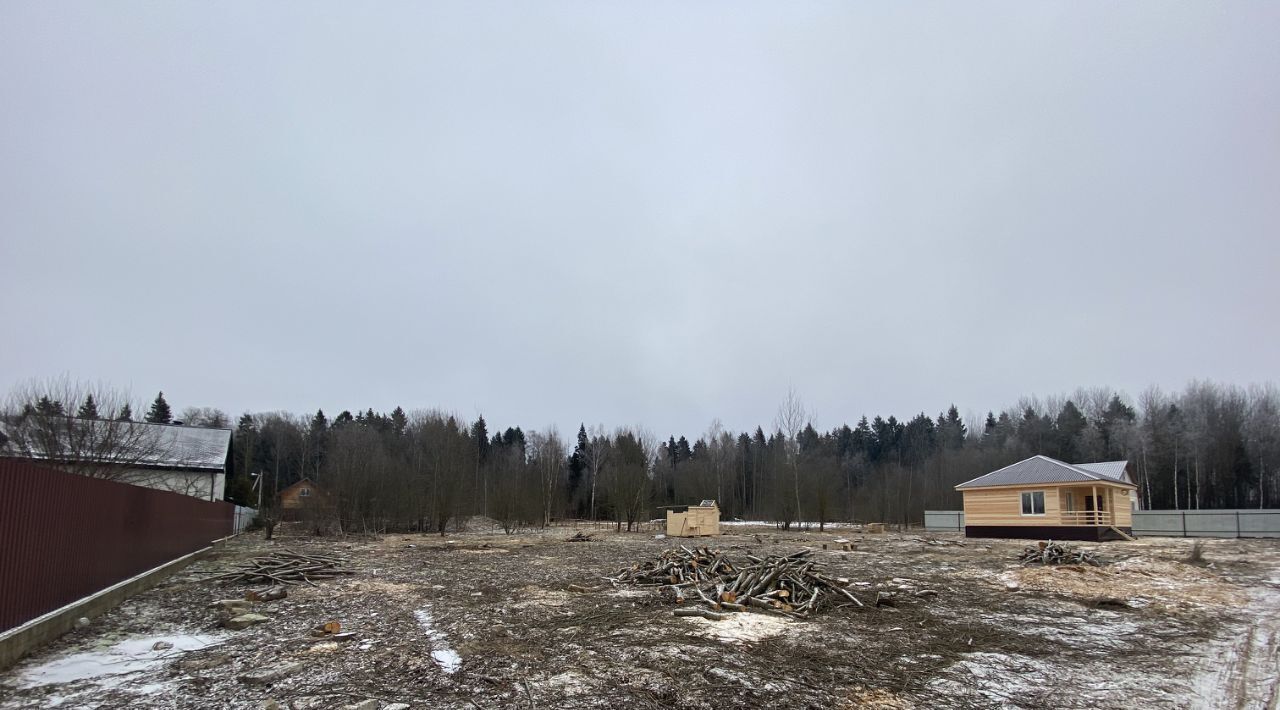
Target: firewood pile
x,y
1056,553
792,585
285,567
581,537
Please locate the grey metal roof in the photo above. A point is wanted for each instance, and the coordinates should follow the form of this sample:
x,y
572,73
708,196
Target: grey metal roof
x,y
1110,469
146,444
1038,469
192,447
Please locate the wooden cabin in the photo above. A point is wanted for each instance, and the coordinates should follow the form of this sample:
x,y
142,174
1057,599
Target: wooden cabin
x,y
694,520
298,498
1044,498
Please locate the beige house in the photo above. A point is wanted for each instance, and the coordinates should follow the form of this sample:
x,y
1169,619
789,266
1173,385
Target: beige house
x,y
1042,497
694,520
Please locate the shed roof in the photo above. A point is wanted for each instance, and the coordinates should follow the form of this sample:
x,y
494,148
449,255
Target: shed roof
x,y
1042,469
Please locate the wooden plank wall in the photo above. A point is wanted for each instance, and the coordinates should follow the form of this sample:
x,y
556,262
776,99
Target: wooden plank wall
x,y
696,521
1003,506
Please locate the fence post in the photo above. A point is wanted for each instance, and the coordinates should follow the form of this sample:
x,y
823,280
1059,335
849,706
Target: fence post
x,y
1237,524
1184,523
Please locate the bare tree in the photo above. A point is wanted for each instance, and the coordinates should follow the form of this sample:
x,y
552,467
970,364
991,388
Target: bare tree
x,y
209,417
40,421
595,455
791,418
1262,436
627,480
546,453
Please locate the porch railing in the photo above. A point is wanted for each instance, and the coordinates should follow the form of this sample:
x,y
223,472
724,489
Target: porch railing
x,y
1088,517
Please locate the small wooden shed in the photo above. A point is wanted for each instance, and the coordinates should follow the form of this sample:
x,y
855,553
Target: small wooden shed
x,y
694,520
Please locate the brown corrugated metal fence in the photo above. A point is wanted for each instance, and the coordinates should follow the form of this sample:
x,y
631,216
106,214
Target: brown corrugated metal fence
x,y
64,536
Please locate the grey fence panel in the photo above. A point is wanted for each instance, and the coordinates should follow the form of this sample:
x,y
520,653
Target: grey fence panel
x,y
1212,524
1207,523
1259,523
944,520
1158,522
243,518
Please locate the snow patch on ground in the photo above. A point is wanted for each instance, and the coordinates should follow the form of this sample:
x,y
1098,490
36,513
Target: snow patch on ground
x,y
1240,671
801,527
126,657
444,655
997,677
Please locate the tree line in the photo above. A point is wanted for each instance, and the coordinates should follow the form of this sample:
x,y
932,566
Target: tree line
x,y
1206,446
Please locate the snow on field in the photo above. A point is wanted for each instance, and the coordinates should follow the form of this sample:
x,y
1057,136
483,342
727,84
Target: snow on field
x,y
444,656
1246,666
795,526
129,656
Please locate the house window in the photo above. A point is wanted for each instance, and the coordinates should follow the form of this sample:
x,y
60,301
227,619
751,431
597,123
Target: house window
x,y
1033,503
304,492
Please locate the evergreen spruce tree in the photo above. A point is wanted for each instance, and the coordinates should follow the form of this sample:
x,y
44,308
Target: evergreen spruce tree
x,y
399,421
319,423
49,407
88,410
318,435
126,413
952,428
1071,425
480,434
683,452
577,469
159,412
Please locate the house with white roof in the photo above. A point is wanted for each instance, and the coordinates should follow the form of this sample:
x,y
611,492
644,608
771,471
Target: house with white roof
x,y
172,457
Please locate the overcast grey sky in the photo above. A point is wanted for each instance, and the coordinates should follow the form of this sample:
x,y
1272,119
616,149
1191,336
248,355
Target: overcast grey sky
x,y
652,213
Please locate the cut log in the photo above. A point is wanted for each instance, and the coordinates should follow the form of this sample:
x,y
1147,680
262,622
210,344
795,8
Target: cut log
x,y
704,613
269,594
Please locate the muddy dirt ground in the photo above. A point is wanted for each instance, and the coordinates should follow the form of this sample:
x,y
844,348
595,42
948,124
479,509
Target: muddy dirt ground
x,y
487,620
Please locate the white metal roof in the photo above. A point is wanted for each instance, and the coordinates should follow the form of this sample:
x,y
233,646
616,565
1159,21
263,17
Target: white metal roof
x,y
152,445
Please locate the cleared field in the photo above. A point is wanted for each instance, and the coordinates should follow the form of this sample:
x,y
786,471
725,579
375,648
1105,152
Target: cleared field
x,y
490,620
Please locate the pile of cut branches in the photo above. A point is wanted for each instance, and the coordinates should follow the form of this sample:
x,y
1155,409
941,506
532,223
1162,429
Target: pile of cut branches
x,y
792,585
1056,553
285,567
581,537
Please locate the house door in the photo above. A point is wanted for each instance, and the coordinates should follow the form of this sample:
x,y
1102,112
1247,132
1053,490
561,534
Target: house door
x,y
1089,505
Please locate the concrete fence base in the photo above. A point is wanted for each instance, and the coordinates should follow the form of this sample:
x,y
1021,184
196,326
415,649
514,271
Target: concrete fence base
x,y
21,640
